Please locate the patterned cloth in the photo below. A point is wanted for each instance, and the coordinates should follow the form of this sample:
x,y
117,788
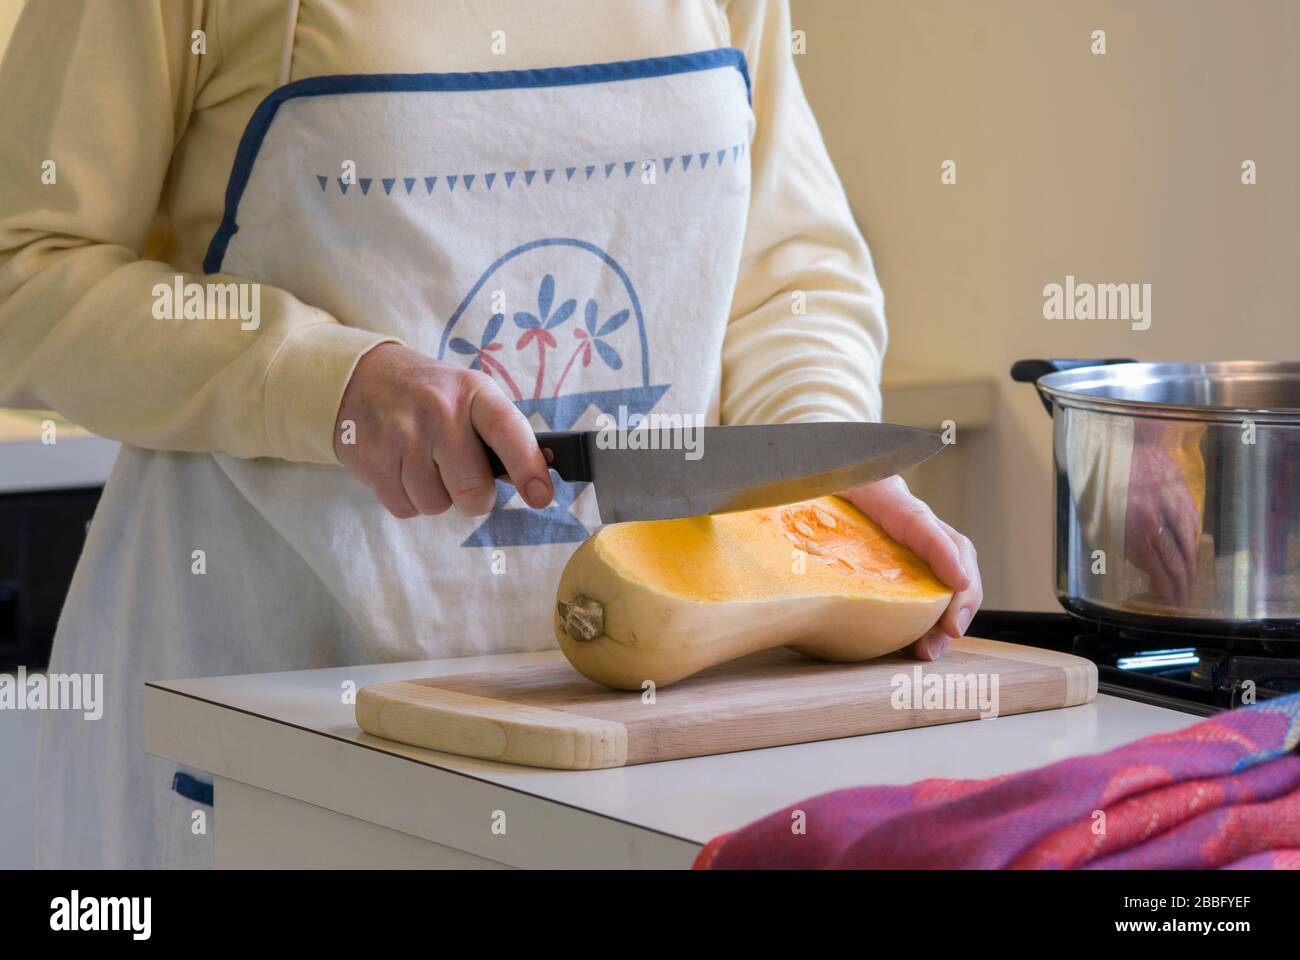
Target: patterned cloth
x,y
1224,793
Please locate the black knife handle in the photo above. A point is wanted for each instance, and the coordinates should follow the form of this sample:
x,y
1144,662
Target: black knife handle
x,y
568,456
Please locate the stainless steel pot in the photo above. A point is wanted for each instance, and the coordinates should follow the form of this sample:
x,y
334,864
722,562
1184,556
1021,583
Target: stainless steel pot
x,y
1177,492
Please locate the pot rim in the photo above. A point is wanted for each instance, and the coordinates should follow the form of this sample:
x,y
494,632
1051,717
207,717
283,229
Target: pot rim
x,y
1064,387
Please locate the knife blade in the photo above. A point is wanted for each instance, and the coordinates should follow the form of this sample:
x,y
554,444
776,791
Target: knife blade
x,y
661,474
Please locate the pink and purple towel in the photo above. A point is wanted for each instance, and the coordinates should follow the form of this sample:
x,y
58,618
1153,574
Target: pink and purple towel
x,y
1224,793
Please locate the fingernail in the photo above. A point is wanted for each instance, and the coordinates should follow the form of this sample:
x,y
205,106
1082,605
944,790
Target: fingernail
x,y
936,645
963,621
539,495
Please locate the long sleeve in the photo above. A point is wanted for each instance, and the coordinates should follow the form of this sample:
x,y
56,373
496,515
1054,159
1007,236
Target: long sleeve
x,y
807,332
104,91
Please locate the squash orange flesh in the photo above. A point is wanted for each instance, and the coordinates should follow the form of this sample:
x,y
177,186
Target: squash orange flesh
x,y
823,546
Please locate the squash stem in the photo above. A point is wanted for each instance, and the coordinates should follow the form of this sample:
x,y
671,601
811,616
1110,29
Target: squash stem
x,y
583,618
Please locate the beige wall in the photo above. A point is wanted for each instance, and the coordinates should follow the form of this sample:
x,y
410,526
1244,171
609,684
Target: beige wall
x,y
1115,168
9,10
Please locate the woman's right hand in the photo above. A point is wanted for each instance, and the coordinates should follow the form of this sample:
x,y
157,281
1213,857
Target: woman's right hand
x,y
417,432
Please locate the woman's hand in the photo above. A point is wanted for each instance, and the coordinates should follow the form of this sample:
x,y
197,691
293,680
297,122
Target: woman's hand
x,y
950,555
418,431
1162,526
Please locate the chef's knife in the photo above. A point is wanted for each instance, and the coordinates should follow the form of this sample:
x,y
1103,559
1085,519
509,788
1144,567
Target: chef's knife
x,y
728,468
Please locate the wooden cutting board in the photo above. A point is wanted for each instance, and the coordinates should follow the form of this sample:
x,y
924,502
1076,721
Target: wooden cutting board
x,y
547,715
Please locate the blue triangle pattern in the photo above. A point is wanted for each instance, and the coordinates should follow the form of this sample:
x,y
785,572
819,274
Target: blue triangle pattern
x,y
529,175
561,413
520,528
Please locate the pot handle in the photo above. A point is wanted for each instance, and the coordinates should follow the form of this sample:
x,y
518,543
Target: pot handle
x,y
1028,371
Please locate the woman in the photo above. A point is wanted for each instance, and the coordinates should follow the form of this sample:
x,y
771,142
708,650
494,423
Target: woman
x,y
445,223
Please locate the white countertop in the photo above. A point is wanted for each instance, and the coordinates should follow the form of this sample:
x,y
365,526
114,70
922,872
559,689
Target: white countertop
x,y
291,733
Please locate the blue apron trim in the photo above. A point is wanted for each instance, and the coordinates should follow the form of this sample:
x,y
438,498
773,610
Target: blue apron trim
x,y
192,788
260,123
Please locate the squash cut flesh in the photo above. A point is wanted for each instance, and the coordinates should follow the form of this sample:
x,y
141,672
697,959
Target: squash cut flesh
x,y
752,555
661,600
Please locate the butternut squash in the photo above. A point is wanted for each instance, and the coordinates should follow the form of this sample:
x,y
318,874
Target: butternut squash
x,y
660,600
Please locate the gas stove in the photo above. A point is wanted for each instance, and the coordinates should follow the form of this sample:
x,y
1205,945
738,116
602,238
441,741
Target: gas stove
x,y
1201,675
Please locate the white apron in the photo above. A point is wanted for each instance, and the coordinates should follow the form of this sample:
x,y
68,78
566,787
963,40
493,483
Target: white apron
x,y
572,232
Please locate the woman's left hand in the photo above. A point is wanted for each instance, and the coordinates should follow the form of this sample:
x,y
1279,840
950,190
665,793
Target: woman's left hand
x,y
950,555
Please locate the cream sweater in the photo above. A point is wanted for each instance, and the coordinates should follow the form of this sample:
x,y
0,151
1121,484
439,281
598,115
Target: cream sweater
x,y
140,131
